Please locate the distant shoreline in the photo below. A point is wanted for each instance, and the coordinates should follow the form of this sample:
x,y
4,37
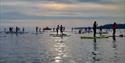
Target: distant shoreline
x,y
106,26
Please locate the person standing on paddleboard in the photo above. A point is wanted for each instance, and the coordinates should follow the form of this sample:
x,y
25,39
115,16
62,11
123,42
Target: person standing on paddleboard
x,y
10,29
114,27
57,29
23,30
94,28
37,29
100,28
61,29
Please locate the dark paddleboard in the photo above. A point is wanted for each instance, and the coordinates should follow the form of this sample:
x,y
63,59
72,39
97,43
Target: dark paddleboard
x,y
121,35
16,32
101,37
59,35
89,37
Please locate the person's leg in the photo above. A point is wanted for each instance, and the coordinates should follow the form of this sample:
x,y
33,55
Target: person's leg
x,y
61,32
113,32
57,31
94,32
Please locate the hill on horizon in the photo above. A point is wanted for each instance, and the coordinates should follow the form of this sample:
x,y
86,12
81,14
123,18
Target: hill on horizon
x,y
106,26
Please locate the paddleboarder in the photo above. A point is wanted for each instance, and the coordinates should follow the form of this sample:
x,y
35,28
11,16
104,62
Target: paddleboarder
x,y
61,29
57,29
37,29
100,28
17,29
94,28
10,29
89,29
80,31
114,27
72,30
23,29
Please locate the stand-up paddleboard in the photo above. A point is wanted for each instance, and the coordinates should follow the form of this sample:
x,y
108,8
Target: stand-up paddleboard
x,y
102,32
89,37
59,35
16,32
37,33
121,35
117,36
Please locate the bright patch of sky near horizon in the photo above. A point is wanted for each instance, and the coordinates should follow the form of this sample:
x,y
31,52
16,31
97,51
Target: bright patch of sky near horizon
x,y
38,10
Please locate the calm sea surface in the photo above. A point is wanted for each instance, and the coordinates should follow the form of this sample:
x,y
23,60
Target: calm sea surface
x,y
43,48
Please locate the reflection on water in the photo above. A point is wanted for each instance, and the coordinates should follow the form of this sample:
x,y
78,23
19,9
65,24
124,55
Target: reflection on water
x,y
115,57
114,38
95,44
60,49
95,55
95,49
95,52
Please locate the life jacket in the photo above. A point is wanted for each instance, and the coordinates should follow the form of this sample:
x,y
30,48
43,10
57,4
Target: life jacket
x,y
114,26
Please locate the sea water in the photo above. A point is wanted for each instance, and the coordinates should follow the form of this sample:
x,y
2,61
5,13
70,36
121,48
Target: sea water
x,y
43,48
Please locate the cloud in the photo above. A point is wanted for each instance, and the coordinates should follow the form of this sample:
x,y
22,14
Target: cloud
x,y
90,0
40,9
66,1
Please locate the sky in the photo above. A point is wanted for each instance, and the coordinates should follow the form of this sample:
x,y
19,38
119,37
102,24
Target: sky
x,y
32,10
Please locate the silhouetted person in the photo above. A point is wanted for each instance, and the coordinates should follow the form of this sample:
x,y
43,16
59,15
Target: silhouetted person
x,y
85,29
80,31
53,29
17,29
72,30
114,26
10,29
94,28
23,29
57,29
61,29
89,29
100,30
37,29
